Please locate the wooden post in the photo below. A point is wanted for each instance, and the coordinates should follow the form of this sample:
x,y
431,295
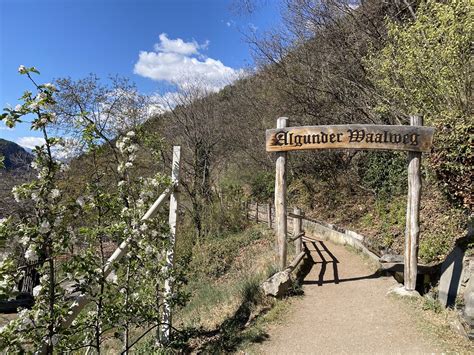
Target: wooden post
x,y
269,215
280,200
298,229
412,231
246,206
256,212
172,219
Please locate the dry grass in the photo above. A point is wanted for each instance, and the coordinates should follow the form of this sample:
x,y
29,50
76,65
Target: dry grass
x,y
437,324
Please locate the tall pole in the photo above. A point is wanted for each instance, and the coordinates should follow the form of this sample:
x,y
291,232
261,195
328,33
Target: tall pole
x,y
280,200
412,231
168,268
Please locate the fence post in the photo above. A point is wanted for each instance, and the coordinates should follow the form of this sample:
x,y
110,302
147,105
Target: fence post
x,y
412,230
256,212
298,229
269,215
173,216
246,206
280,200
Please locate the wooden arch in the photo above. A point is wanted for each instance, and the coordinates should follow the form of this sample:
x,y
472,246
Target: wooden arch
x,y
414,139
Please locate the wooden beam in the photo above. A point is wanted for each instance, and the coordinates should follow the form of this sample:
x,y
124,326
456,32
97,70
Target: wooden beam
x,y
296,237
296,261
412,231
354,136
280,200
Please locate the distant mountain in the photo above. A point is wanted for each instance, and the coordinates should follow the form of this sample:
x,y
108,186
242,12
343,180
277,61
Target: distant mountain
x,y
15,156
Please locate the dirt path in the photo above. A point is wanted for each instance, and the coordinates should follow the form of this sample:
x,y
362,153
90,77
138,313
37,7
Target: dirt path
x,y
345,310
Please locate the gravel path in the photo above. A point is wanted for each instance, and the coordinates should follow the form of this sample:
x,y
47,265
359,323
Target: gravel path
x,y
345,310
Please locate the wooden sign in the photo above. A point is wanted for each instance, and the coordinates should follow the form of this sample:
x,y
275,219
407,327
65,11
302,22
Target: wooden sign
x,y
355,136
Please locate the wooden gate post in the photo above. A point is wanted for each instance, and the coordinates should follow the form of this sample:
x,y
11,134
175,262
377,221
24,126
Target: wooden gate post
x,y
269,215
280,200
173,216
412,230
298,229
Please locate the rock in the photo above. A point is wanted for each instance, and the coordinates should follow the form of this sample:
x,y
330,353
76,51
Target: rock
x,y
278,284
399,290
450,280
469,299
456,325
391,258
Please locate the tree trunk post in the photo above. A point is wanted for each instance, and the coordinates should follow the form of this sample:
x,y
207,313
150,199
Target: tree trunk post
x,y
256,212
173,216
298,229
412,230
269,215
280,200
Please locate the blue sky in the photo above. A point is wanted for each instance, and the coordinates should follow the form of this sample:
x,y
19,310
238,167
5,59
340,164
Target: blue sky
x,y
149,41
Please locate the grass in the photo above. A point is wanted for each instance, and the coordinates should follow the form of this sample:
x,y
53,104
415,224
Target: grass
x,y
437,323
227,310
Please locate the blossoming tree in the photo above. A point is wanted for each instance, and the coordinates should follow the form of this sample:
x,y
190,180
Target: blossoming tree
x,y
66,239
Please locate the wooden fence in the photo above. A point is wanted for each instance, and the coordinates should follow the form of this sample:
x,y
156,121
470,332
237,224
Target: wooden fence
x,y
264,213
303,228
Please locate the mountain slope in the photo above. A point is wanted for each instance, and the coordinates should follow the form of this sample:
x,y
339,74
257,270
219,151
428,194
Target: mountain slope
x,y
15,156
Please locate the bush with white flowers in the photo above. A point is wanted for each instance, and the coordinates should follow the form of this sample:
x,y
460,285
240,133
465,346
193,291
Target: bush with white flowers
x,y
68,239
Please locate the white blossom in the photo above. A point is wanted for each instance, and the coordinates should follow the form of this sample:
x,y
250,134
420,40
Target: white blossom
x,y
2,221
41,96
113,278
120,145
34,165
37,290
121,168
121,183
133,148
31,255
50,86
18,107
128,164
55,193
16,194
21,69
131,134
44,227
33,105
81,202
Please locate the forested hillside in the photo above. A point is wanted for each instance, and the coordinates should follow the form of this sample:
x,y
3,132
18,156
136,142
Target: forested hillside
x,y
332,62
335,64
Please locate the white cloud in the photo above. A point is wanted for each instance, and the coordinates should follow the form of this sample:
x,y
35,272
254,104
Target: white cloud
x,y
181,63
177,46
30,142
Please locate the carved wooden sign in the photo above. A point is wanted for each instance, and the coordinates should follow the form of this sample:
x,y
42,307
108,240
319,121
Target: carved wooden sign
x,y
354,136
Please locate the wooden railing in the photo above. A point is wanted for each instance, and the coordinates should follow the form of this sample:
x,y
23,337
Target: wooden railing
x,y
264,213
